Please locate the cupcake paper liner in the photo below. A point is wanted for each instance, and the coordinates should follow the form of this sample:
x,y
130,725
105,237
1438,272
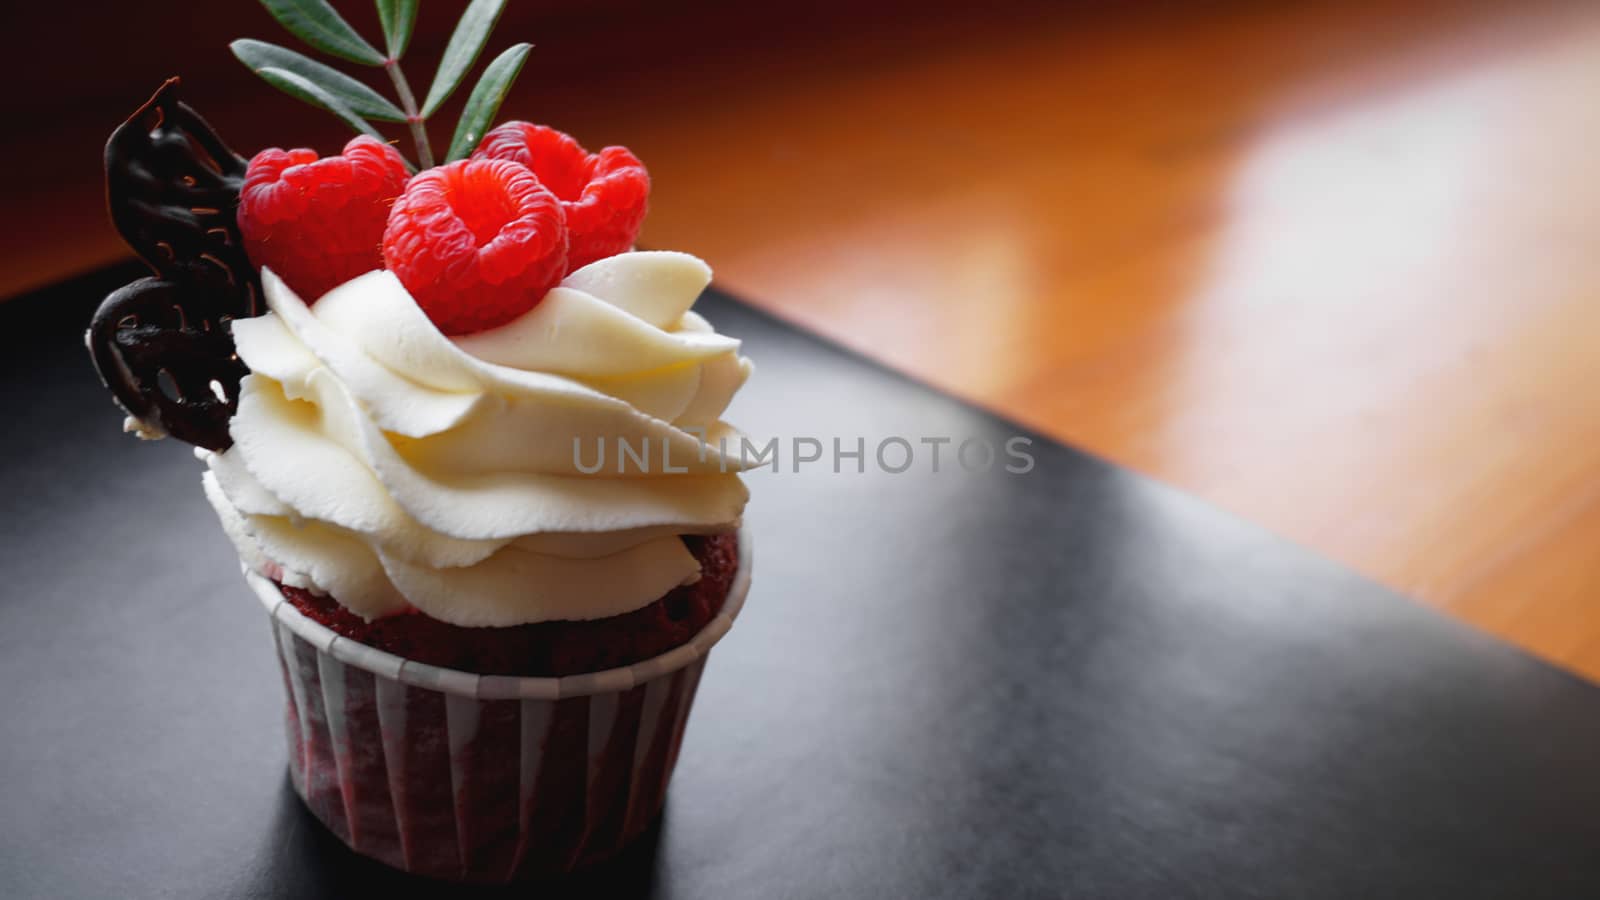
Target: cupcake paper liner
x,y
482,778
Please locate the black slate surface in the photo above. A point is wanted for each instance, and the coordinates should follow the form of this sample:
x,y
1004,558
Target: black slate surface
x,y
1073,682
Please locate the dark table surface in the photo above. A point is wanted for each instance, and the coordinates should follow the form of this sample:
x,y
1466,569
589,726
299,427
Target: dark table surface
x,y
1072,682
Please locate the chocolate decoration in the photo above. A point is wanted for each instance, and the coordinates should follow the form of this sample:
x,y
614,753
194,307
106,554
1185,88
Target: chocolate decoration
x,y
162,345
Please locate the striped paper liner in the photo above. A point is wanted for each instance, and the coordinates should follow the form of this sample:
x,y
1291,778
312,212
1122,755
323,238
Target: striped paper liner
x,y
482,778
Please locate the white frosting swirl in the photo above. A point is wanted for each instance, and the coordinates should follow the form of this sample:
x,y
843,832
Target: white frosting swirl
x,y
379,461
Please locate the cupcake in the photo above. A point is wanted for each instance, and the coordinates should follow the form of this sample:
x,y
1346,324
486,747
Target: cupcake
x,y
468,444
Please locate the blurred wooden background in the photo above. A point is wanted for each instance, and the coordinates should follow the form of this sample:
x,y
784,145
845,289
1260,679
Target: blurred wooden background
x,y
1331,266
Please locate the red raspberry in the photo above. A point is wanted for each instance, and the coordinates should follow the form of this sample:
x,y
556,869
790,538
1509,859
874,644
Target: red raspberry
x,y
605,194
318,223
477,243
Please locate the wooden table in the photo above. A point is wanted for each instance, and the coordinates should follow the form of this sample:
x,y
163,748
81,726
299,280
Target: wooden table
x,y
1329,266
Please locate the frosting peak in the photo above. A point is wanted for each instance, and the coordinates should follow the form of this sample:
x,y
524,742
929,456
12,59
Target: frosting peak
x,y
380,461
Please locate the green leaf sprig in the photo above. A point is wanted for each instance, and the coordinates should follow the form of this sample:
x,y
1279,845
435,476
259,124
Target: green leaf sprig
x,y
321,27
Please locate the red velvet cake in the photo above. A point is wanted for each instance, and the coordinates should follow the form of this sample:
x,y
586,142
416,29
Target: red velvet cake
x,y
467,441
546,648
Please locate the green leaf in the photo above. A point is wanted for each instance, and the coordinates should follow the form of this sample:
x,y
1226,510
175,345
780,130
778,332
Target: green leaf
x,y
485,100
315,22
290,83
471,33
362,100
398,18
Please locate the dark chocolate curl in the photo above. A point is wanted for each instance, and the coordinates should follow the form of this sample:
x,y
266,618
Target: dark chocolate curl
x,y
164,368
162,345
